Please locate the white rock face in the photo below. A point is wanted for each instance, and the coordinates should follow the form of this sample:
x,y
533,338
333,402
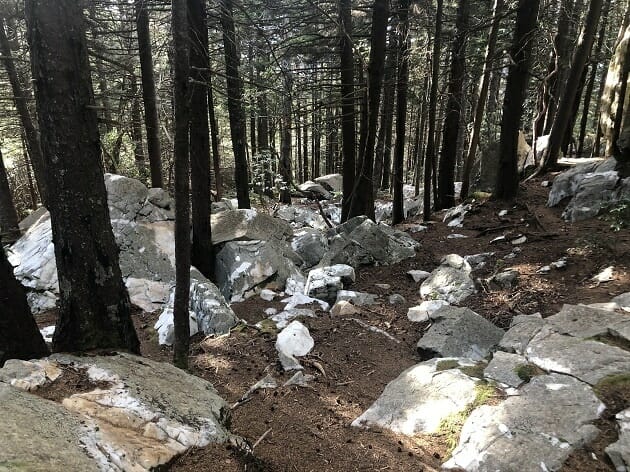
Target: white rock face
x,y
293,341
332,182
423,311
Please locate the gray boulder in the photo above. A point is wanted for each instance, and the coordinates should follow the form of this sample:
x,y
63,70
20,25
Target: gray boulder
x,y
504,367
420,398
325,282
311,245
459,332
301,216
593,193
248,225
521,332
566,183
315,191
619,451
451,281
331,182
533,431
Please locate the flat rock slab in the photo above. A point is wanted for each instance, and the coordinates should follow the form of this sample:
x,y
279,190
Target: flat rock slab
x,y
451,281
587,322
503,368
248,225
420,398
521,332
459,332
149,413
532,432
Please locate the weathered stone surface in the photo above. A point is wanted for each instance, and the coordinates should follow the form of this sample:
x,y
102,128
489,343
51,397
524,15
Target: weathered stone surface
x,y
619,451
360,241
593,192
325,282
521,332
454,217
506,279
248,225
587,322
419,399
344,308
301,216
40,436
418,275
315,190
331,182
503,368
283,318
125,196
459,332
451,281
423,311
311,245
357,298
242,266
623,301
588,360
150,413
533,431
566,183
478,261
292,342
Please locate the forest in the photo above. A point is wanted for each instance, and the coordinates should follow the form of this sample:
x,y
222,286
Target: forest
x,y
315,235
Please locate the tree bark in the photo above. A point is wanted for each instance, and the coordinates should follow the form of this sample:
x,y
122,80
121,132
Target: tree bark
x,y
348,136
9,225
515,89
398,214
285,146
20,99
214,135
202,252
235,104
149,95
19,336
430,155
136,132
484,85
181,100
94,304
454,109
362,201
563,115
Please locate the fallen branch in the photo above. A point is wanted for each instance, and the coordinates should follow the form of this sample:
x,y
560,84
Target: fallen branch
x,y
261,438
375,330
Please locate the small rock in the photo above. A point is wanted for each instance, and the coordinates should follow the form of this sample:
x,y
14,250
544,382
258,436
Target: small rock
x,y
544,183
282,319
383,286
456,236
418,275
559,264
47,333
293,341
417,228
423,311
357,298
299,380
396,299
344,308
325,282
267,294
498,239
520,240
504,368
299,299
270,311
506,279
605,275
503,213
544,270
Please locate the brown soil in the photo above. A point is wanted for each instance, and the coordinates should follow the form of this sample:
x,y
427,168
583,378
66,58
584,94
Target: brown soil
x,y
304,429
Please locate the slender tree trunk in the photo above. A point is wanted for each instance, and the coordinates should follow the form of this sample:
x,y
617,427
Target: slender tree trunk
x,y
305,150
362,202
515,89
285,147
182,98
298,146
454,109
398,214
430,155
214,135
348,136
136,132
19,336
31,186
563,116
21,104
482,98
202,252
94,304
149,95
9,225
235,104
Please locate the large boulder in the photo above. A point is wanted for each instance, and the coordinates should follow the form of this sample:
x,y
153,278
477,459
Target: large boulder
x,y
331,182
421,398
143,415
242,267
248,225
459,332
360,241
301,216
311,245
593,193
451,281
314,190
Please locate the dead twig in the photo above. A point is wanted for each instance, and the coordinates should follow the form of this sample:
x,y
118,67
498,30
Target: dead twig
x,y
261,438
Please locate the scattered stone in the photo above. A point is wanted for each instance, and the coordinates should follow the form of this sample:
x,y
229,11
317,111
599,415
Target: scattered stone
x,y
396,299
299,299
498,239
619,451
559,264
344,308
478,261
451,281
605,275
519,240
267,294
324,282
456,236
374,329
282,319
544,183
417,228
299,379
357,298
165,326
593,193
544,270
47,333
270,311
459,332
422,312
566,184
506,279
454,217
267,382
503,213
383,286
301,216
418,275
293,341
530,432
504,368
419,399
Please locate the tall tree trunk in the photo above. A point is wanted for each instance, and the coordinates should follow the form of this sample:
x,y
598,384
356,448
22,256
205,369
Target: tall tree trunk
x,y
20,99
31,186
235,104
9,225
348,136
181,99
362,202
482,98
387,113
202,252
136,132
454,109
214,135
149,95
563,116
285,146
305,150
298,146
19,336
515,89
430,155
94,304
398,214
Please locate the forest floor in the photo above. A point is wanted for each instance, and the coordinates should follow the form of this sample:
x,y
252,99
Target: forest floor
x,y
308,428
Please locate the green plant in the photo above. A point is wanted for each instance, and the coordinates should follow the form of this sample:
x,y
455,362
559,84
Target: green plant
x,y
617,214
